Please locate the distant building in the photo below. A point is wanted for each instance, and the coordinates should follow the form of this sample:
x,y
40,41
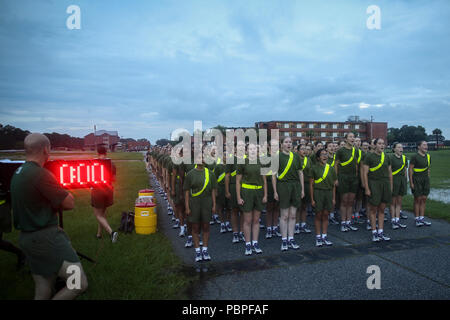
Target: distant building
x,y
139,145
326,131
109,139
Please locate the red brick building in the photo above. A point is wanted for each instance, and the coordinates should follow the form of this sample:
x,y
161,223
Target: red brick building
x,y
326,131
109,139
139,145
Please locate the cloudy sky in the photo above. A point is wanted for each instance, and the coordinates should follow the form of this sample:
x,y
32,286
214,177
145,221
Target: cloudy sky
x,y
146,68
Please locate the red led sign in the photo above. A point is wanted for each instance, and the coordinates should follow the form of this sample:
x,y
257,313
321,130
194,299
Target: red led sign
x,y
74,174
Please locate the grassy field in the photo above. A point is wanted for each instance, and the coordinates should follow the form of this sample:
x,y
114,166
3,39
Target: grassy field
x,y
136,267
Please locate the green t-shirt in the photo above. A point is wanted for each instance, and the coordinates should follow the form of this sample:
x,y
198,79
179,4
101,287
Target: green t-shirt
x,y
344,155
306,169
218,171
35,196
251,173
397,163
420,162
292,174
317,172
373,160
195,180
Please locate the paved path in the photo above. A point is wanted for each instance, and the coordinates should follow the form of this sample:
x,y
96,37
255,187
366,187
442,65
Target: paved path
x,y
415,264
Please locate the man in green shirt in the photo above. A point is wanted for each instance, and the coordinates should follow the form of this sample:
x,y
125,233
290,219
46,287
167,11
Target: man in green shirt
x,y
36,197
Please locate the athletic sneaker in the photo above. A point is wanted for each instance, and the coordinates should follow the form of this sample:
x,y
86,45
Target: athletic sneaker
x,y
350,227
400,225
419,223
228,226
293,244
383,237
297,229
241,237
304,229
235,238
269,234
333,220
198,256
248,250
326,241
403,215
375,237
284,246
182,231
200,243
170,211
173,218
425,223
395,226
344,228
222,228
176,225
114,236
319,242
216,219
369,227
276,230
206,255
212,221
188,243
256,248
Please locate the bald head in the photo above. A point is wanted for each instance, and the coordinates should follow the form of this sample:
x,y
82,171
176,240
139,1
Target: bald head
x,y
35,143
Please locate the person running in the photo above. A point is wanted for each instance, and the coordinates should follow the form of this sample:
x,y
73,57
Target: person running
x,y
322,185
251,191
378,185
199,188
400,184
288,189
346,168
419,179
305,162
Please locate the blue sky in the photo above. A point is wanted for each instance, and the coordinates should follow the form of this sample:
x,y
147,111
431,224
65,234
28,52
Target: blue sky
x,y
145,68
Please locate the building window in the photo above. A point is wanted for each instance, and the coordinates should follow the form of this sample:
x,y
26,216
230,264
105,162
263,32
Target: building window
x,y
323,134
357,126
346,126
299,134
335,126
299,125
311,125
335,134
286,126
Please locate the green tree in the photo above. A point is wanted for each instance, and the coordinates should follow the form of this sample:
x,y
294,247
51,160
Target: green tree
x,y
437,132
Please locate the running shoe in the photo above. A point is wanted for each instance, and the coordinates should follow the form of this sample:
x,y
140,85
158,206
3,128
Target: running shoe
x,y
169,211
425,223
297,229
248,250
206,255
401,225
326,241
395,226
176,225
216,219
200,242
235,238
222,228
369,227
114,236
319,242
344,228
241,237
419,223
261,225
269,234
277,232
212,221
182,231
350,227
293,244
228,226
256,248
304,229
173,218
284,246
403,215
375,237
383,237
188,243
333,220
198,256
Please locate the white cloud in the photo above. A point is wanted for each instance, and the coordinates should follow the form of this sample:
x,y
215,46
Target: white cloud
x,y
363,105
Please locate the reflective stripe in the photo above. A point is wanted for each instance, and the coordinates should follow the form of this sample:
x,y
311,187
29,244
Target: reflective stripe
x,y
334,159
2,202
359,157
233,173
250,186
401,168
305,162
221,177
204,186
269,173
379,165
422,170
350,160
288,166
325,174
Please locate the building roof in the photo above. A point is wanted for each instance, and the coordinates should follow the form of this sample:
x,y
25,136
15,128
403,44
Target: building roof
x,y
111,133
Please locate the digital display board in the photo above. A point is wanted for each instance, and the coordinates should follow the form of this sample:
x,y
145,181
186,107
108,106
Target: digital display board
x,y
76,174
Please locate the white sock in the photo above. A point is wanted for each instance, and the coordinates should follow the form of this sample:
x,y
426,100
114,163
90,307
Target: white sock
x,y
253,242
248,244
290,238
324,235
269,228
318,236
197,250
397,219
380,231
177,220
421,217
205,249
332,215
303,224
348,222
283,239
394,220
297,225
374,231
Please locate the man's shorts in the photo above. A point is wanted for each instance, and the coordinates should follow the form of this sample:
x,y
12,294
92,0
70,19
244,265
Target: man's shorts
x,y
252,199
348,184
201,209
46,250
289,194
421,185
380,192
400,186
323,199
102,198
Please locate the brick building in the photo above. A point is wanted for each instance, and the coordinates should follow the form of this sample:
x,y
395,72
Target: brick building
x,y
325,131
109,139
